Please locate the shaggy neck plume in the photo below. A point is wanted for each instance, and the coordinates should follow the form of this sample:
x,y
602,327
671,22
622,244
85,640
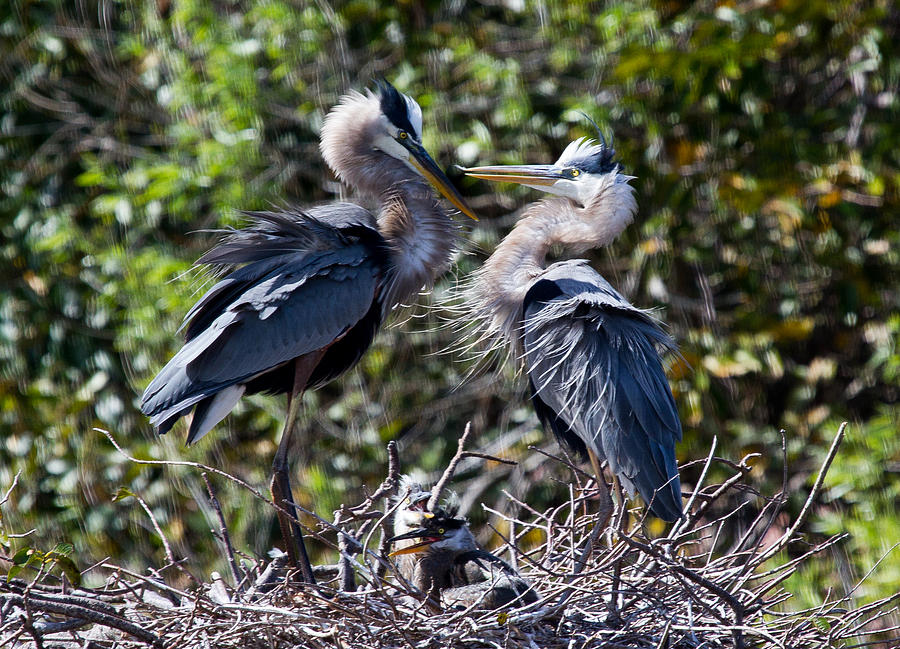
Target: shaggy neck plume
x,y
503,281
419,233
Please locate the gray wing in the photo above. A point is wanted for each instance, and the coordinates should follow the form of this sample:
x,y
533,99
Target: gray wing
x,y
295,300
488,580
597,378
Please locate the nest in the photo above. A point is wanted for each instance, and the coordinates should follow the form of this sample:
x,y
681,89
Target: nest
x,y
598,588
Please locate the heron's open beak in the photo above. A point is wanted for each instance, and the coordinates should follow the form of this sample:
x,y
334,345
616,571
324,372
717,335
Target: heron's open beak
x,y
428,537
426,166
541,175
412,549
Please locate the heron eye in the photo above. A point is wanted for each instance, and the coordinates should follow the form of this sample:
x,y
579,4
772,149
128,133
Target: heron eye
x,y
574,173
402,135
441,531
409,501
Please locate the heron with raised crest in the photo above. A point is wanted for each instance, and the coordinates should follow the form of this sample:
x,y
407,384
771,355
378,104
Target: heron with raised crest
x,y
595,375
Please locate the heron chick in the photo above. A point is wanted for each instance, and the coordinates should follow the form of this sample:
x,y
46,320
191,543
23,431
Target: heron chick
x,y
437,553
594,373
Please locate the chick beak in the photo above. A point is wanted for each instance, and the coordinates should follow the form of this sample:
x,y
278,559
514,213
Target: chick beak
x,y
426,535
413,549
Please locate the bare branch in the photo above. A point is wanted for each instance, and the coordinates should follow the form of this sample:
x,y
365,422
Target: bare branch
x,y
448,472
224,536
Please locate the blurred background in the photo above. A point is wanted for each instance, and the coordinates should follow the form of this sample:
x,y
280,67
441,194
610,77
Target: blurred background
x,y
763,136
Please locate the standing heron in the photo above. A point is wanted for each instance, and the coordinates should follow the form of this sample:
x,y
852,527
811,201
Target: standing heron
x,y
307,290
437,553
594,373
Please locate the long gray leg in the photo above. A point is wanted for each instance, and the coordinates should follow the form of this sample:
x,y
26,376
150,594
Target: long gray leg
x,y
605,512
281,481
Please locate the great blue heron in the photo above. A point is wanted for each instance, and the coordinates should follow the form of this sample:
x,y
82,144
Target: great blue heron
x,y
315,285
595,375
437,553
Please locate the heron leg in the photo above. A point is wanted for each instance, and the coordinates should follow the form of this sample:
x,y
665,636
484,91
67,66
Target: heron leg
x,y
282,496
606,503
605,512
614,619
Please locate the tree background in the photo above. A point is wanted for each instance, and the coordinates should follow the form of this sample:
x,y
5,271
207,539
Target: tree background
x,y
764,140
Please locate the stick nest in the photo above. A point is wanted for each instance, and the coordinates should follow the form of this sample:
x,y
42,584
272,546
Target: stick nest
x,y
680,590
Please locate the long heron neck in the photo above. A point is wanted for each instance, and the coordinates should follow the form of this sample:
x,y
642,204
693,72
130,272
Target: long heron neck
x,y
520,258
420,236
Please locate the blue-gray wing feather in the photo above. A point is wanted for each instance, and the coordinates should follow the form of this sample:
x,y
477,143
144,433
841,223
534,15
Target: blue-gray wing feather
x,y
305,283
597,377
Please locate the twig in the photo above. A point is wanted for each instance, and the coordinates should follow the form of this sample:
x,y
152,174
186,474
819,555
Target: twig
x,y
80,612
564,461
681,524
224,536
9,491
737,466
448,472
346,581
387,491
778,545
170,556
729,599
193,465
204,467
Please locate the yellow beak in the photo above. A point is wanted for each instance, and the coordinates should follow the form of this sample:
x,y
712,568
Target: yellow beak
x,y
424,164
411,549
542,175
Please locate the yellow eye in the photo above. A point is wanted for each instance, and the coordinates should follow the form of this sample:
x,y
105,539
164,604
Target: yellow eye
x,y
409,501
402,135
441,531
574,173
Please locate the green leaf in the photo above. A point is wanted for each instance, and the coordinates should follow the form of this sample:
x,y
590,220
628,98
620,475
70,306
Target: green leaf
x,y
62,549
22,557
122,493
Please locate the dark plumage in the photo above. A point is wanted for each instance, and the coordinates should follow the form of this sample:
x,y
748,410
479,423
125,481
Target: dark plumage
x,y
395,108
305,291
595,375
602,162
311,279
594,372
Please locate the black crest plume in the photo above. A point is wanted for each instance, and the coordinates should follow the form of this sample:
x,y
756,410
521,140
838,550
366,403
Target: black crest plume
x,y
394,106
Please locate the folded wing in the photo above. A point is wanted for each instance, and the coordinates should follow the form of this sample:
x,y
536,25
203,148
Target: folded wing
x,y
597,380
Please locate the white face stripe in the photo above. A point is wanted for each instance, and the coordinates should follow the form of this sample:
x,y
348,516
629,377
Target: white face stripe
x,y
386,141
582,188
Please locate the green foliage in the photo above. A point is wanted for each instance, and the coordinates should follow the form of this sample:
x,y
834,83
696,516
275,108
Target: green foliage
x,y
764,144
58,557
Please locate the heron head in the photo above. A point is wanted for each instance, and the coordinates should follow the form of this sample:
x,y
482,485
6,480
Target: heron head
x,y
584,168
411,506
365,136
398,133
436,532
